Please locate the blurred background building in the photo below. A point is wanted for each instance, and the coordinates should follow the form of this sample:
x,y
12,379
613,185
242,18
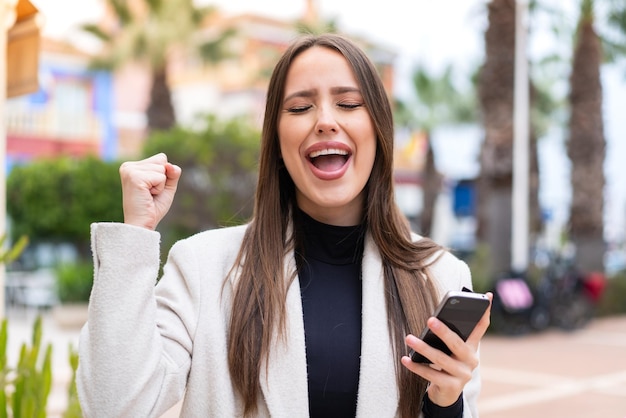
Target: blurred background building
x,y
79,111
70,113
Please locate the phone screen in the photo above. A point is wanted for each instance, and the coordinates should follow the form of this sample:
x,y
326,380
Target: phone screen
x,y
460,311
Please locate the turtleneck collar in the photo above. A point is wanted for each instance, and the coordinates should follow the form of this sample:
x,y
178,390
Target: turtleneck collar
x,y
331,244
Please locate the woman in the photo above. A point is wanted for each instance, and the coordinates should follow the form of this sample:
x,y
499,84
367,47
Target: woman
x,y
307,310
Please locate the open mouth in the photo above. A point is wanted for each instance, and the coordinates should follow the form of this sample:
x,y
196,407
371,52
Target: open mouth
x,y
329,160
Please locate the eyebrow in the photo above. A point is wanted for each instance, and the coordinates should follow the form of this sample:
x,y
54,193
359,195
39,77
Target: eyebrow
x,y
312,92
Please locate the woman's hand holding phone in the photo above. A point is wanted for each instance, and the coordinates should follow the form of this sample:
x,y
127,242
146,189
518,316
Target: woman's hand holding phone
x,y
447,374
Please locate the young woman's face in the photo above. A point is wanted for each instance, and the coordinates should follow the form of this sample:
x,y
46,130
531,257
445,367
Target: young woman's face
x,y
327,137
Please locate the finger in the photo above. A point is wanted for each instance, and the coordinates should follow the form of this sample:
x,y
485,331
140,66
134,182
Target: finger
x,y
421,347
450,338
459,350
420,369
172,175
151,173
431,372
160,158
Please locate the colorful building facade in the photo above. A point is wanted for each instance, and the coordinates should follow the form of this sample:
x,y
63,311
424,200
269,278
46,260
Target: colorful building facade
x,y
71,113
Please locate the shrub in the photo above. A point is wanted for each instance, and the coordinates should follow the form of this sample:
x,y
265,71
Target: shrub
x,y
74,281
25,388
55,200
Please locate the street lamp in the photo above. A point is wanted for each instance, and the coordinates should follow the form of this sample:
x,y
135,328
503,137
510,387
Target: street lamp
x,y
521,125
15,16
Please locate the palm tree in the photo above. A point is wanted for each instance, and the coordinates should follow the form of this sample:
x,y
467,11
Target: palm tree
x,y
586,144
614,43
495,182
146,32
439,102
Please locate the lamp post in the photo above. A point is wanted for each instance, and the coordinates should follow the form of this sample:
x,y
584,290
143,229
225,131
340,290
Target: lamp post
x,y
521,123
8,16
19,51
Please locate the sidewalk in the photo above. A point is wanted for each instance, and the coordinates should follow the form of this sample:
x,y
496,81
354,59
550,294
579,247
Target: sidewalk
x,y
556,374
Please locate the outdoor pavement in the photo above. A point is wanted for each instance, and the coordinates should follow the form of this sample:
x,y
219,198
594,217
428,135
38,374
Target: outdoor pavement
x,y
556,374
553,374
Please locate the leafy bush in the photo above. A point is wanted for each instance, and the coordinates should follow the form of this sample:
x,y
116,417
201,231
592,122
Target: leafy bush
x,y
73,405
219,164
55,200
25,389
74,281
10,254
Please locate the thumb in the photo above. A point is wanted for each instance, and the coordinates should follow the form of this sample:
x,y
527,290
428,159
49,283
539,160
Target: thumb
x,y
172,175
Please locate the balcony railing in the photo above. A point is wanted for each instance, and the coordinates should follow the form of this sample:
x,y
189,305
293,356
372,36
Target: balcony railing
x,y
53,124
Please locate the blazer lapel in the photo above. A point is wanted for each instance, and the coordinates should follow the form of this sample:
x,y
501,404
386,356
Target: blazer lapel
x,y
378,394
284,380
284,377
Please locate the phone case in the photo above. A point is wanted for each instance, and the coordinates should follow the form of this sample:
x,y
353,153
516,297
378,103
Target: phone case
x,y
460,311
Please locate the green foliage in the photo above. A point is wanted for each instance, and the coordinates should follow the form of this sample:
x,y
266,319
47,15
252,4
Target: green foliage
x,y
73,405
147,33
7,256
219,166
74,281
320,27
614,37
56,200
25,389
437,101
478,264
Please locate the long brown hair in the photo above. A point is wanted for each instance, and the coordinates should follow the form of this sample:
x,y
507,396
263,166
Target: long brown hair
x,y
258,308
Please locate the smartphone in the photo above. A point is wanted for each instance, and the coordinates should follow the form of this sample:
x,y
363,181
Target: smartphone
x,y
460,311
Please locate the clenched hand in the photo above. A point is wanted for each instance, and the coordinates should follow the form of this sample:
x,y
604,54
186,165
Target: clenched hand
x,y
148,188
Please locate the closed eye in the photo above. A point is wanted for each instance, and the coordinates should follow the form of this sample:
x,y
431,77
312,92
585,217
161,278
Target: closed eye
x,y
298,109
350,105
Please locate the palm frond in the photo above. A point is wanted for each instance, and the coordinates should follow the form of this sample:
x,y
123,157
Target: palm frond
x,y
12,253
327,26
155,6
122,11
199,14
215,50
96,31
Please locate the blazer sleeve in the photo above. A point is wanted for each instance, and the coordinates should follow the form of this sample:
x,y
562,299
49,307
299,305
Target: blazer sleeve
x,y
451,273
135,349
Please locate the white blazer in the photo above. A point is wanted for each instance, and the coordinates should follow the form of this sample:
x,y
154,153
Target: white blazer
x,y
144,347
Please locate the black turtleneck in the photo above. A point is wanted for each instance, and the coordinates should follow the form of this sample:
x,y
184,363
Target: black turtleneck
x,y
329,270
330,286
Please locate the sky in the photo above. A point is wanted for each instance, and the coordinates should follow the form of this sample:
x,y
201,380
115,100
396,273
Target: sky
x,y
429,36
434,34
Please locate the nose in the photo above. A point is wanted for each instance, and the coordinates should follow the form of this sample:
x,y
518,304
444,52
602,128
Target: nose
x,y
326,122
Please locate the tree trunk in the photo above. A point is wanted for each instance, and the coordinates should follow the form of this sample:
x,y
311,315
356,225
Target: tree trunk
x,y
496,157
535,218
161,116
586,150
431,185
